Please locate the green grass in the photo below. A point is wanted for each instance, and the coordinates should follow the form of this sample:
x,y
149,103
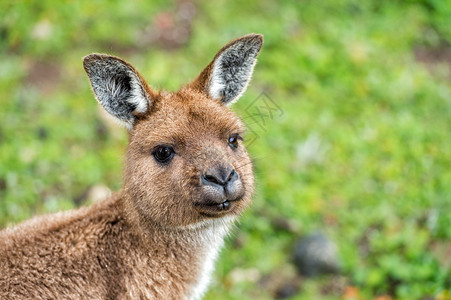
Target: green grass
x,y
345,75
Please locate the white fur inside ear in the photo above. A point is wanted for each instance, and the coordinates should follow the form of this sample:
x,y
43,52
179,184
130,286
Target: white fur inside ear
x,y
138,96
232,70
217,82
117,87
218,85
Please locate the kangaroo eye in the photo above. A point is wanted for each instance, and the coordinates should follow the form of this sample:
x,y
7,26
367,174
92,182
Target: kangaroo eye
x,y
163,154
233,140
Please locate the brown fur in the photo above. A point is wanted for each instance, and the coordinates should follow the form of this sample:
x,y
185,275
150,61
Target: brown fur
x,y
148,241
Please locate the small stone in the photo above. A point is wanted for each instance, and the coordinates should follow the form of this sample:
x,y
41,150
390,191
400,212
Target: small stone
x,y
93,194
239,241
244,275
97,193
287,290
42,30
42,133
285,224
315,255
2,184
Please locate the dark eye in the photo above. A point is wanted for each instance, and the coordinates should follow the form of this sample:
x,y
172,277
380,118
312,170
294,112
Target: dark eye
x,y
233,140
163,154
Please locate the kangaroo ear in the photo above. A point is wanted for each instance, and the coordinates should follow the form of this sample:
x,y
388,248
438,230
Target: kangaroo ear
x,y
118,87
227,76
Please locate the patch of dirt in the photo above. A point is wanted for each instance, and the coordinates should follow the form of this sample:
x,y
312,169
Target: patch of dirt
x,y
170,29
442,252
335,285
44,75
433,57
92,194
281,283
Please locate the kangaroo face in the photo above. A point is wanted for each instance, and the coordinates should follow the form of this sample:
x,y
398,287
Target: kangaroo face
x,y
185,163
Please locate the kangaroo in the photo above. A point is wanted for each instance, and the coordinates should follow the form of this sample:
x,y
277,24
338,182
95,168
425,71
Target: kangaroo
x,y
187,178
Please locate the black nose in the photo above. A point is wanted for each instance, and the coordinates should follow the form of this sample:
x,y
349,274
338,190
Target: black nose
x,y
218,176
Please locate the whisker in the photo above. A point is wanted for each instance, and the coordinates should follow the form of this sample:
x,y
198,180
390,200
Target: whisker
x,y
251,162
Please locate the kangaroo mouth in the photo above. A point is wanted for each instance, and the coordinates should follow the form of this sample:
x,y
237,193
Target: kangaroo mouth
x,y
222,206
211,208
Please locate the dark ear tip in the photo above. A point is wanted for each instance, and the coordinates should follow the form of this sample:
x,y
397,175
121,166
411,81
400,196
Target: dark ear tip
x,y
253,37
254,40
90,59
258,36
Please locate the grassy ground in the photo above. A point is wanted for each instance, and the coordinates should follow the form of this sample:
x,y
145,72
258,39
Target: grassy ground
x,y
357,146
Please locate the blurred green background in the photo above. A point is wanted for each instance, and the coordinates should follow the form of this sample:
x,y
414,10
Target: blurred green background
x,y
361,152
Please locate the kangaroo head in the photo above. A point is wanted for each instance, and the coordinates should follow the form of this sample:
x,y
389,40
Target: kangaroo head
x,y
185,163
